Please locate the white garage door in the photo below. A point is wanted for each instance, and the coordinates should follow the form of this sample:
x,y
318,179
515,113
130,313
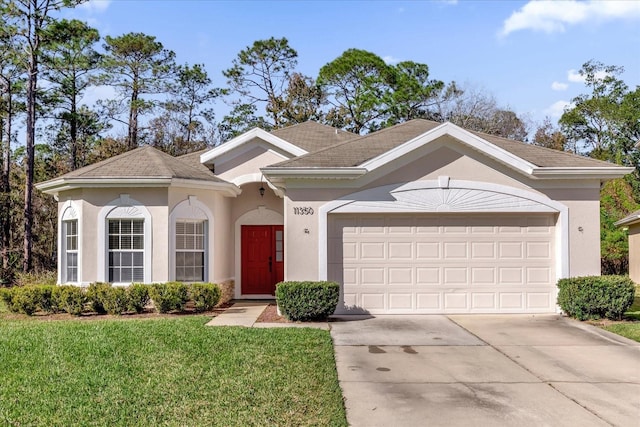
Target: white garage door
x,y
392,263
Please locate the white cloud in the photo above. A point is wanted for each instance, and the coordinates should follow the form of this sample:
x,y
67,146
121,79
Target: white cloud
x,y
559,86
390,60
554,16
557,108
575,77
96,6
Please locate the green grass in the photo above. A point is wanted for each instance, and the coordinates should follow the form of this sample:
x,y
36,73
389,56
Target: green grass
x,y
630,329
167,371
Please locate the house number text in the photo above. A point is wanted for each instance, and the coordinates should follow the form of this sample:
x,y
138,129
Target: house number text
x,y
303,211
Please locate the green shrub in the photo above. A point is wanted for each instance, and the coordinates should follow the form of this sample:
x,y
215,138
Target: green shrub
x,y
69,298
25,299
47,303
205,296
96,294
138,295
115,300
307,300
169,296
594,297
6,295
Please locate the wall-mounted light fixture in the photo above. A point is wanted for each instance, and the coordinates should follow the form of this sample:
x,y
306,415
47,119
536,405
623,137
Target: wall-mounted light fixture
x,y
261,189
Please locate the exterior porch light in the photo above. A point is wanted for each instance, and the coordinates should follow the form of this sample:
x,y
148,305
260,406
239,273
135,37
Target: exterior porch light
x,y
261,190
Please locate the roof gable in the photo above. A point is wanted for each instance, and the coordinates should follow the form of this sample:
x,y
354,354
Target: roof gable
x,y
370,152
239,144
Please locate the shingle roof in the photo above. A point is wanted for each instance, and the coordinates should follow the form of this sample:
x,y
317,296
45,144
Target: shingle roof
x,y
312,136
143,162
632,218
355,152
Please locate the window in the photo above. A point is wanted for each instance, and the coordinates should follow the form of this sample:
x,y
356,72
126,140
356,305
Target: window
x,y
126,250
190,242
70,232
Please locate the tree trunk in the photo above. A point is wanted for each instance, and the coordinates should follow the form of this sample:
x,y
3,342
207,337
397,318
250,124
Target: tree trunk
x,y
30,161
73,129
133,120
5,185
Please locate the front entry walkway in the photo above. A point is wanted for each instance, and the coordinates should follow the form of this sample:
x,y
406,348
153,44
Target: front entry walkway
x,y
507,370
246,313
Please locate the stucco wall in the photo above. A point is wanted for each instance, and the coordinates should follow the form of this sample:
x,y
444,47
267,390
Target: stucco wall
x,y
580,197
634,252
247,163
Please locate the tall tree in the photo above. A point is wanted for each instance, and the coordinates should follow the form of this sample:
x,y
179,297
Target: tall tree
x,y
413,94
302,101
69,59
260,74
29,19
606,122
241,119
136,65
547,135
11,83
357,84
190,105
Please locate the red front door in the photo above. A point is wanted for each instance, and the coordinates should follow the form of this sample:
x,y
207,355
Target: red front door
x,y
262,258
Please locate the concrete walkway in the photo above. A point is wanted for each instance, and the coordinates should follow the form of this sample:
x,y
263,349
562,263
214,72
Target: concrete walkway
x,y
509,370
246,313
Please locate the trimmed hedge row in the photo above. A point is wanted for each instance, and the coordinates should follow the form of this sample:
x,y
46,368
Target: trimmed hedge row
x,y
594,297
307,300
103,298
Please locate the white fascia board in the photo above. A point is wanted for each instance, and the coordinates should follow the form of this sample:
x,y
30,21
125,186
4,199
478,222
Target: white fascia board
x,y
585,172
460,134
56,186
248,136
340,173
628,220
228,188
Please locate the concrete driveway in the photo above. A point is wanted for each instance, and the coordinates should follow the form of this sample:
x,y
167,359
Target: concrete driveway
x,y
468,370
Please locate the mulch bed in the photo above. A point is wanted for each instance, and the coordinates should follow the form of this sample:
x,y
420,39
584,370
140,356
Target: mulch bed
x,y
148,313
270,315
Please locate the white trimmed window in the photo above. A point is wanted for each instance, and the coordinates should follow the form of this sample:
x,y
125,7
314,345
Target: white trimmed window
x,y
190,253
126,250
190,237
70,233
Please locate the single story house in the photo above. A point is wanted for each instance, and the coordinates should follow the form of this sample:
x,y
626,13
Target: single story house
x,y
421,217
632,223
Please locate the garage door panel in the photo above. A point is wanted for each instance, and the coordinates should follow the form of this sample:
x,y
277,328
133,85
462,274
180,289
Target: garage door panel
x,y
400,276
459,263
428,250
401,301
483,301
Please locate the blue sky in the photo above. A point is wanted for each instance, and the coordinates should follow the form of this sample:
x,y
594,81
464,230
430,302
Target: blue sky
x,y
523,52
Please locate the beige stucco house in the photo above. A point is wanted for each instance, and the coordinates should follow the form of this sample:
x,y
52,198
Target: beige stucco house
x,y
422,217
632,223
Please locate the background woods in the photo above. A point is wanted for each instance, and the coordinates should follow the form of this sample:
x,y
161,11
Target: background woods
x,y
51,67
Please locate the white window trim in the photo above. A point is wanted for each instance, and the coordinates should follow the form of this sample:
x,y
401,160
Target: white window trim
x,y
123,207
192,209
70,211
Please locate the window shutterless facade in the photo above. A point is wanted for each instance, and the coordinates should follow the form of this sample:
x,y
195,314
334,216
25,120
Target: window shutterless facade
x,y
126,250
190,250
70,233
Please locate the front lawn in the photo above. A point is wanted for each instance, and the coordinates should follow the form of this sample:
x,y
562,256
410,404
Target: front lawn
x,y
165,371
631,327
